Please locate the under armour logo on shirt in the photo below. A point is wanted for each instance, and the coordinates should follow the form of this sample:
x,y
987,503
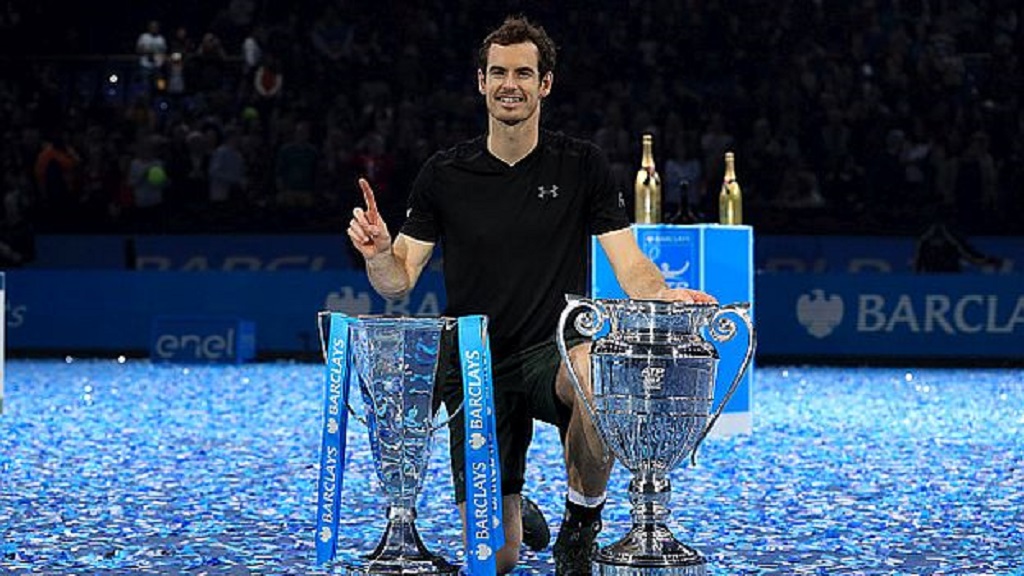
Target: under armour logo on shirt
x,y
545,193
622,200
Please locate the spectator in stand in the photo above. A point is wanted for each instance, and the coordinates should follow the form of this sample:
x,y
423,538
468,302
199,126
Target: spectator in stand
x,y
209,64
58,180
147,180
296,168
339,166
141,116
227,171
182,42
152,50
176,85
331,36
188,171
254,149
252,49
252,56
101,178
267,90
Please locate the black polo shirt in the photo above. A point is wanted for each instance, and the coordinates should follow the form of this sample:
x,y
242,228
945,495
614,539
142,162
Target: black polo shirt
x,y
515,239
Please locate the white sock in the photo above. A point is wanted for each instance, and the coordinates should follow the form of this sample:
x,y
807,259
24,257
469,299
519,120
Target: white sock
x,y
586,501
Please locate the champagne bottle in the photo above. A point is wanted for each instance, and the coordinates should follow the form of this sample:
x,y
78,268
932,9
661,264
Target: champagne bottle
x,y
730,200
648,186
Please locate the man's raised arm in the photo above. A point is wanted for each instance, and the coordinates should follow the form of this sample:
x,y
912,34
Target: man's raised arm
x,y
392,267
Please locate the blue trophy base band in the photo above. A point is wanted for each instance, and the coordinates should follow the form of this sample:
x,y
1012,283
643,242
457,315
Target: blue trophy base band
x,y
333,437
484,531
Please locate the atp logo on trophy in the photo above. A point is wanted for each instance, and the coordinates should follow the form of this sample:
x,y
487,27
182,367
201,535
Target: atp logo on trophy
x,y
818,314
652,377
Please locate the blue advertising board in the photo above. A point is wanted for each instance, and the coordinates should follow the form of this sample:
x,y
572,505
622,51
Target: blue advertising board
x,y
202,339
891,316
811,316
114,311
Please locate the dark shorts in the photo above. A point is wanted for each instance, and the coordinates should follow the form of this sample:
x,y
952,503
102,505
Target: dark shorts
x,y
524,390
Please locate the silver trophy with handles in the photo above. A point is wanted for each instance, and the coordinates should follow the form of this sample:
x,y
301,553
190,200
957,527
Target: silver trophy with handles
x,y
653,378
395,361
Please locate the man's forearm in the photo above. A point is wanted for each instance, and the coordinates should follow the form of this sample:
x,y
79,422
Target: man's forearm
x,y
644,280
388,276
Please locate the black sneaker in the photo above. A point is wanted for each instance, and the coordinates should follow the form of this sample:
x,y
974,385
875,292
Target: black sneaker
x,y
577,540
536,534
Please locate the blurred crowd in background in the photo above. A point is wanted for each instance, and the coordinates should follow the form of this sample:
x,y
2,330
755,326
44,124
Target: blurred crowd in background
x,y
848,117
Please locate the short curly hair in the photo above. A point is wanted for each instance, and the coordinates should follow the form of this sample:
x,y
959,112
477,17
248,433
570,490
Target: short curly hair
x,y
516,30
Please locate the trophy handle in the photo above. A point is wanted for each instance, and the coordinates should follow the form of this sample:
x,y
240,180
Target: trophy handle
x,y
587,324
723,329
323,324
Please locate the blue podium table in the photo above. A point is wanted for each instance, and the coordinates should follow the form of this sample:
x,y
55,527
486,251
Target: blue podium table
x,y
715,258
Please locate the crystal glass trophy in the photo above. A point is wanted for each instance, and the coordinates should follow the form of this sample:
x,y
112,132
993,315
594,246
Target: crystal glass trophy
x,y
395,361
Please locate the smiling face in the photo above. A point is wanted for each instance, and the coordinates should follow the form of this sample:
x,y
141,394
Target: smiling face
x,y
512,84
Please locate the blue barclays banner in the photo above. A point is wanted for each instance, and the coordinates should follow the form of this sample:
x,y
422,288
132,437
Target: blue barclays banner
x,y
890,316
809,315
114,311
865,254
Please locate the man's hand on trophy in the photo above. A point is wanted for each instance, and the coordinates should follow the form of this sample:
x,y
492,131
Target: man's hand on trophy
x,y
367,229
685,295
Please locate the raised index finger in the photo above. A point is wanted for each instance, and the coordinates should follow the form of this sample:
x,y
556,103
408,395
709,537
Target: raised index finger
x,y
371,204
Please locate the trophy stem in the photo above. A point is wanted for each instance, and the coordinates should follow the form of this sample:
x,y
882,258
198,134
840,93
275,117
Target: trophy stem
x,y
650,495
401,551
649,548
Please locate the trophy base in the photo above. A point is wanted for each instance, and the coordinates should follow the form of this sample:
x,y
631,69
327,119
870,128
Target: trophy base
x,y
400,552
649,550
402,566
